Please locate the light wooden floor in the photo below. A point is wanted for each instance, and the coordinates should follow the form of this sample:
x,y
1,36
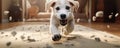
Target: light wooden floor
x,y
36,35
111,28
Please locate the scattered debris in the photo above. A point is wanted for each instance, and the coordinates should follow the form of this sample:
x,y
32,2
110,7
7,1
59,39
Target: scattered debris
x,y
38,47
48,46
69,44
40,27
94,18
72,44
30,47
6,35
57,42
105,36
13,33
108,26
97,39
92,36
110,16
106,40
31,40
117,46
71,38
15,38
37,30
8,43
46,24
22,37
80,30
29,28
78,20
99,14
111,37
2,32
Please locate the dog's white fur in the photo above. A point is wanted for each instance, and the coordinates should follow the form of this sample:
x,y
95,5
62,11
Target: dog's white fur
x,y
55,15
47,5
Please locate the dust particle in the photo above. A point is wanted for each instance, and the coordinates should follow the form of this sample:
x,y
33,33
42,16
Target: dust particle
x,y
8,43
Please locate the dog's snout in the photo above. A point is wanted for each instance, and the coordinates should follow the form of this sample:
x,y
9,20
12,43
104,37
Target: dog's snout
x,y
63,16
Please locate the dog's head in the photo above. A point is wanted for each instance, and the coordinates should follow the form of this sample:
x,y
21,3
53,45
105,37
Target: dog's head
x,y
62,9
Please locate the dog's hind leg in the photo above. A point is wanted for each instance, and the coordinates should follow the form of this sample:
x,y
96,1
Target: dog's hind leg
x,y
69,28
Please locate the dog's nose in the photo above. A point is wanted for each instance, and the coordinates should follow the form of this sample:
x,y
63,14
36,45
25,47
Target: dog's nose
x,y
63,16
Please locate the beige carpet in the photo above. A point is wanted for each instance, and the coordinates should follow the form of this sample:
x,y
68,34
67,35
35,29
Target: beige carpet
x,y
38,36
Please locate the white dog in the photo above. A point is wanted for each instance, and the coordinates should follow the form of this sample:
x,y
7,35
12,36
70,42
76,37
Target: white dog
x,y
62,14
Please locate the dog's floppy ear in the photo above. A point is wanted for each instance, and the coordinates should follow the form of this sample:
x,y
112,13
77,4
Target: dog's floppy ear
x,y
49,5
71,3
52,4
74,4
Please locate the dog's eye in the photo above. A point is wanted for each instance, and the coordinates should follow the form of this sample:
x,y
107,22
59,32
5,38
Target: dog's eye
x,y
57,8
67,7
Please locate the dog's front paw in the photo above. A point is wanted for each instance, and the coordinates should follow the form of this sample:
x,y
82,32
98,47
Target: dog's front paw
x,y
56,37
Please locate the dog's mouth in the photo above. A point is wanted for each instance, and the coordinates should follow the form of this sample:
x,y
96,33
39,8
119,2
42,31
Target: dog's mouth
x,y
63,22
